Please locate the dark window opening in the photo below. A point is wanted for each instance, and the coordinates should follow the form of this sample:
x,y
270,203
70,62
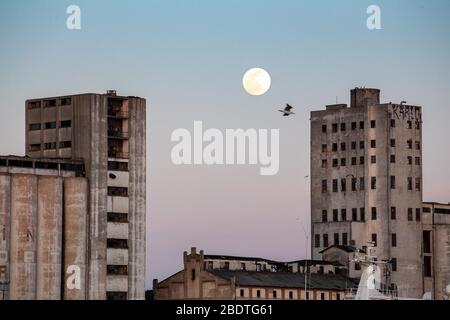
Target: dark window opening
x,y
317,240
118,191
46,165
394,240
34,147
117,217
49,103
427,242
373,183
20,164
353,125
34,105
50,146
394,264
65,124
335,215
343,128
361,160
373,124
50,125
393,213
393,182
427,266
410,214
334,127
117,243
361,125
117,270
362,213
65,144
374,239
65,101
34,126
325,240
258,293
324,128
110,295
355,214
344,214
345,239
417,214
324,186
393,160
193,274
374,213
117,166
324,216
392,123
324,148
373,159
373,144
343,185
335,185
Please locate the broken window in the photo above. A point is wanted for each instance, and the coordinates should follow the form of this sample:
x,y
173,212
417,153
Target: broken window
x,y
117,243
409,142
344,214
392,123
336,238
50,146
325,240
353,161
49,103
335,185
324,148
427,242
118,217
324,163
361,160
343,128
392,182
373,144
46,165
410,160
118,166
374,213
361,144
65,101
50,125
324,128
118,191
342,146
335,163
324,186
353,184
410,214
112,295
373,124
65,144
394,264
355,214
117,270
394,240
374,239
361,125
345,239
343,162
362,213
393,213
34,147
373,183
343,185
417,145
409,183
392,143
417,214
427,266
34,126
373,159
317,240
353,125
334,127
353,145
409,124
393,158
335,215
334,147
324,216
34,105
418,161
65,124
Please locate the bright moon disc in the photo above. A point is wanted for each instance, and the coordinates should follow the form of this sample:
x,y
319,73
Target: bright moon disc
x,y
256,81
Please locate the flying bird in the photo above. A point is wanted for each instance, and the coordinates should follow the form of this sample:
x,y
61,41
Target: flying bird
x,y
287,111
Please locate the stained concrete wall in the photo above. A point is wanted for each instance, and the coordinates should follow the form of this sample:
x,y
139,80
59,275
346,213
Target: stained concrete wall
x,y
23,237
5,228
137,198
49,238
75,236
90,142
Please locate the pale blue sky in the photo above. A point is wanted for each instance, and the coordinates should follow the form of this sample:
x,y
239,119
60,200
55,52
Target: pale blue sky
x,y
188,57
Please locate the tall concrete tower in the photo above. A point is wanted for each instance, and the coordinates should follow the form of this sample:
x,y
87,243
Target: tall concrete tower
x,y
366,182
109,133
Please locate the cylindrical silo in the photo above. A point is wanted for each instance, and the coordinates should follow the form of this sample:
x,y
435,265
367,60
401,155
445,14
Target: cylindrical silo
x,y
5,209
75,215
49,238
23,237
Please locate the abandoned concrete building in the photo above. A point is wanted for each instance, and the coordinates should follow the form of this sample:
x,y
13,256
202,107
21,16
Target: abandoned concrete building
x,y
107,133
366,186
246,278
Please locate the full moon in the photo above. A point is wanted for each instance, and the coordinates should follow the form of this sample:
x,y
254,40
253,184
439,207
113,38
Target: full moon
x,y
256,81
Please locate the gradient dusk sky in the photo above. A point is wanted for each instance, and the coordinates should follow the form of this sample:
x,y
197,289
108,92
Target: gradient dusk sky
x,y
188,58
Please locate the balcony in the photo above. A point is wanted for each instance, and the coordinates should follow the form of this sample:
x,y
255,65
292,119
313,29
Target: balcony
x,y
118,154
117,112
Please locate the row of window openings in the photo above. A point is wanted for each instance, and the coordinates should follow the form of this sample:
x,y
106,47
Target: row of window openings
x,y
50,103
290,294
373,145
373,124
50,125
50,146
362,214
373,160
373,184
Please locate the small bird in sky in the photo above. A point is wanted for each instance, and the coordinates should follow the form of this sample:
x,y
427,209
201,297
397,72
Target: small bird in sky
x,y
287,111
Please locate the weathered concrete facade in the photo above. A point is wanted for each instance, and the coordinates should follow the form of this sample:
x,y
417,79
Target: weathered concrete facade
x,y
366,182
31,225
109,133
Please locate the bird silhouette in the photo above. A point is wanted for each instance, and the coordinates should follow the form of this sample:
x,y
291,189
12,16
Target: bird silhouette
x,y
287,111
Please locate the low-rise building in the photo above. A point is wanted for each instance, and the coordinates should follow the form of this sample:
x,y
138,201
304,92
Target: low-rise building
x,y
227,279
